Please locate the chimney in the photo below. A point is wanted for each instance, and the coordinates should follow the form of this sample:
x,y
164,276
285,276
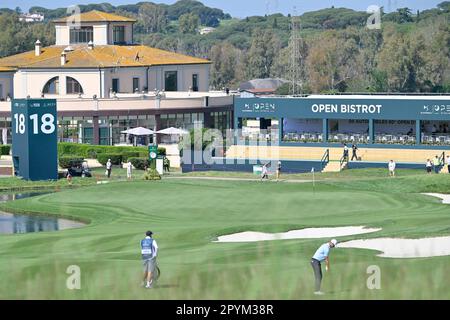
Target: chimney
x,y
37,48
63,58
90,45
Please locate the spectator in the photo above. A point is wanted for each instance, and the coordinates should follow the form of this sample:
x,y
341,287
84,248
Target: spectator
x,y
448,164
166,164
129,170
264,173
391,167
345,152
429,166
437,164
108,168
278,170
410,132
354,151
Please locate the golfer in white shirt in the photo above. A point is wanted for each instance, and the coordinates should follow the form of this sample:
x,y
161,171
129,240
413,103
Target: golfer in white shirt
x,y
391,166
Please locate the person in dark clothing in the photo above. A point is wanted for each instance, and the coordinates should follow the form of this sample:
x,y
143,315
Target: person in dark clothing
x,y
354,152
345,152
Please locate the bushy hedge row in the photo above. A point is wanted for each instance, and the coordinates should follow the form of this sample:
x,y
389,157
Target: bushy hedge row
x,y
139,163
67,161
116,158
101,152
5,149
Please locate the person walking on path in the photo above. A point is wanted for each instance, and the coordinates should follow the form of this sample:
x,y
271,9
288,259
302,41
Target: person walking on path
x,y
322,254
354,152
109,168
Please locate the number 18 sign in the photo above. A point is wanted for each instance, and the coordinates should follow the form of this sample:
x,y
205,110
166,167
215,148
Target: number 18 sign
x,y
35,138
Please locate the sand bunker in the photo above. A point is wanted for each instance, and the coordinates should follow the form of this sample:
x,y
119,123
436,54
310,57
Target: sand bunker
x,y
445,197
403,248
309,233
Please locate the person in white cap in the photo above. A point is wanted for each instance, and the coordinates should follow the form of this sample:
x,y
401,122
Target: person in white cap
x,y
321,254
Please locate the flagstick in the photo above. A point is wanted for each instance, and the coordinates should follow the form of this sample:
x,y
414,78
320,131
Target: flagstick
x,y
314,181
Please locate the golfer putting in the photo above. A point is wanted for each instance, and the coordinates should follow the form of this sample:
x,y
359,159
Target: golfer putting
x,y
321,254
149,251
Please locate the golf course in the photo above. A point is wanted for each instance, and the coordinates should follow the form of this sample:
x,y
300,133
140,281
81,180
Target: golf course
x,y
188,214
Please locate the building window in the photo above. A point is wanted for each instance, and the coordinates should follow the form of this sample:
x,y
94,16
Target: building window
x,y
171,81
81,35
73,86
195,82
52,86
136,86
119,34
115,85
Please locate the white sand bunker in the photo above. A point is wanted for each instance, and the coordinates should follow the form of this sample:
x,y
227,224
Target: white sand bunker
x,y
403,248
445,197
309,233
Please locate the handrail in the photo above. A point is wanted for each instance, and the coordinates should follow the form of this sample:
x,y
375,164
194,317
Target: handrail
x,y
325,159
442,158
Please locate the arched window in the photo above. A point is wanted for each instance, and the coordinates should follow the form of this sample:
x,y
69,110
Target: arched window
x,y
52,86
73,86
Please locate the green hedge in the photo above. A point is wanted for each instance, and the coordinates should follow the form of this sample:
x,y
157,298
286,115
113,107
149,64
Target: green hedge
x,y
5,149
116,158
92,151
139,163
67,161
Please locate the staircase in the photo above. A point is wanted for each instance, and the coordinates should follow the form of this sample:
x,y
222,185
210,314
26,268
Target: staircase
x,y
335,166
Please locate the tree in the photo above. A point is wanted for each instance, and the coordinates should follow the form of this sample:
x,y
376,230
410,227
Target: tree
x,y
152,18
225,58
262,53
188,23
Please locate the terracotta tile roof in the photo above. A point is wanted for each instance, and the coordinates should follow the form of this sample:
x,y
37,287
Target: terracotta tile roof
x,y
97,16
6,69
99,56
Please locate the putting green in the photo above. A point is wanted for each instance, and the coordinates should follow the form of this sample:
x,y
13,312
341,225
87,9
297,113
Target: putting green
x,y
187,215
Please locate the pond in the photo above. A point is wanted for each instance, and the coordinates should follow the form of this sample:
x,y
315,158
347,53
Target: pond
x,y
19,223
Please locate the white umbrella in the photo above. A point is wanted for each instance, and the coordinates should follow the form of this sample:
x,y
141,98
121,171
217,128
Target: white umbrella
x,y
139,131
173,131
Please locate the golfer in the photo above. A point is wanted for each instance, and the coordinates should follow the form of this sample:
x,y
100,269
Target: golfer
x,y
321,254
149,251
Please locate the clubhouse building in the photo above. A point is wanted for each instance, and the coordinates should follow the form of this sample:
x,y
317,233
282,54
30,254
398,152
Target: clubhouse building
x,y
104,83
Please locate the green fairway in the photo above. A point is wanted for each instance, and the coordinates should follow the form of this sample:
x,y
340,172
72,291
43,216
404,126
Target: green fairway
x,y
187,215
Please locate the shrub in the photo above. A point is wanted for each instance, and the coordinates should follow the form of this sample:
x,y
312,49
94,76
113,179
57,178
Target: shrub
x,y
139,163
5,149
116,158
151,174
130,154
68,161
161,151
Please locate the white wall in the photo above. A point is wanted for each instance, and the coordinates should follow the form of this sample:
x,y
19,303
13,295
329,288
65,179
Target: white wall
x,y
100,34
185,72
125,76
32,82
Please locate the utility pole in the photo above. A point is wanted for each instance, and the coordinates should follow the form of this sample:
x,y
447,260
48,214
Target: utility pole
x,y
295,58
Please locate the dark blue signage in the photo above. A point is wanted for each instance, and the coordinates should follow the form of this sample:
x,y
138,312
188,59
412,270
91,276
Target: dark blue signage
x,y
401,108
35,138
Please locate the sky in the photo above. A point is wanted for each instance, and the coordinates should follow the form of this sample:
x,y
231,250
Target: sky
x,y
241,9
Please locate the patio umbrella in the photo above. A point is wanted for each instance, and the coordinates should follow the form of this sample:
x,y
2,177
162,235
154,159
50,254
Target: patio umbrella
x,y
139,131
173,131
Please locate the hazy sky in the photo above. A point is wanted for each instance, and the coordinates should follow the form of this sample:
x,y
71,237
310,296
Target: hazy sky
x,y
239,8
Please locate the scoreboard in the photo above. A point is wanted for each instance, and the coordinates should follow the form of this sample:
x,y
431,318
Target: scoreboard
x,y
35,138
